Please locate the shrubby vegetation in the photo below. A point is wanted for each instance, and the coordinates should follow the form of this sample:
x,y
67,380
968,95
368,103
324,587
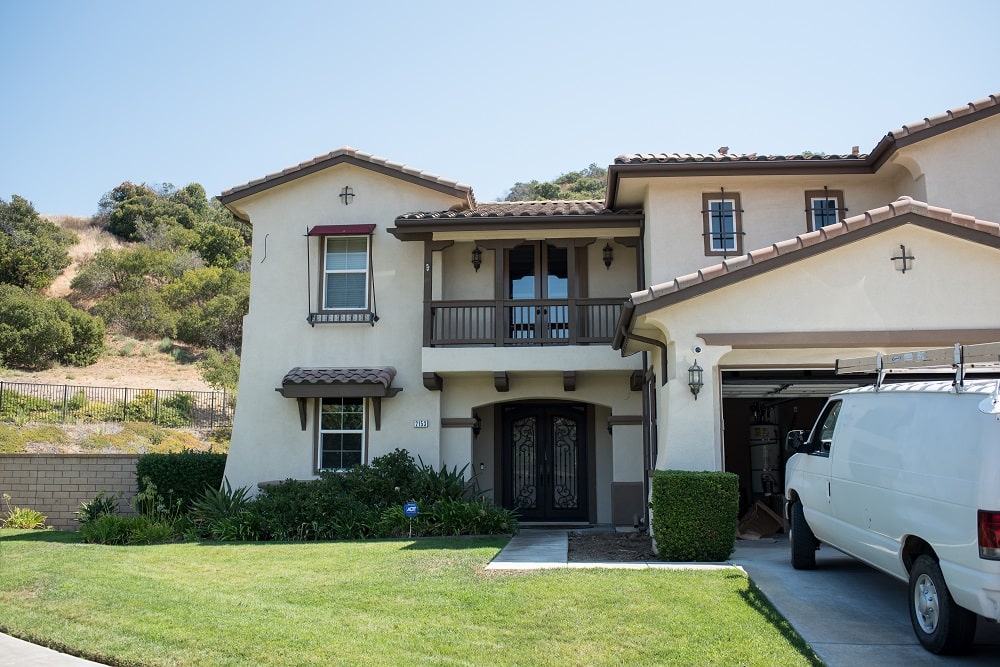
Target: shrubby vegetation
x,y
186,277
587,183
365,502
36,332
32,251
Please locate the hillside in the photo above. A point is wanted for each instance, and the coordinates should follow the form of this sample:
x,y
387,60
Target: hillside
x,y
128,362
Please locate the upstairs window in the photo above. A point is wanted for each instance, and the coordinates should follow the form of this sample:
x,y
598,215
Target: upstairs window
x,y
345,273
824,207
722,217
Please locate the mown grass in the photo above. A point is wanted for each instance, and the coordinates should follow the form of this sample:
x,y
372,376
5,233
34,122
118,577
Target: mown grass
x,y
399,602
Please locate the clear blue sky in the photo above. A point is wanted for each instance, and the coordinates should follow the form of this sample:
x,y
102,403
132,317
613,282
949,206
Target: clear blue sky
x,y
488,93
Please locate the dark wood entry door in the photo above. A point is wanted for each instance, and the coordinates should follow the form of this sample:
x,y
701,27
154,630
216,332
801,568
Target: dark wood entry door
x,y
545,462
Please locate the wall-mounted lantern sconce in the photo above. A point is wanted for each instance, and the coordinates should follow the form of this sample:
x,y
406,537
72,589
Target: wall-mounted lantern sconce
x,y
347,194
696,378
609,255
477,258
477,427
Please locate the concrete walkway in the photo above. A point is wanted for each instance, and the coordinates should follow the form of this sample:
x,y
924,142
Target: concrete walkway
x,y
545,548
17,653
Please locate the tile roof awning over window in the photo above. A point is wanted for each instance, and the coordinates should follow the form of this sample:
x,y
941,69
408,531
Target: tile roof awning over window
x,y
327,382
342,230
374,383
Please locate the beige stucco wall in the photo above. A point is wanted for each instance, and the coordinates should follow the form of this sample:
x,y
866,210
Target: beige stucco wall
x,y
268,443
267,440
959,168
773,210
854,288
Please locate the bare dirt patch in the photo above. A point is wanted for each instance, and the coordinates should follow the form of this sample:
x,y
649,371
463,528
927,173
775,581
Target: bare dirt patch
x,y
153,370
597,546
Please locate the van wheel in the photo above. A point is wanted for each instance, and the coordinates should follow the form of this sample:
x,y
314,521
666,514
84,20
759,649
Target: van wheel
x,y
940,624
802,541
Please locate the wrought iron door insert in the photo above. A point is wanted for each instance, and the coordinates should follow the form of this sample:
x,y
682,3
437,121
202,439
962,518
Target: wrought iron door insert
x,y
545,461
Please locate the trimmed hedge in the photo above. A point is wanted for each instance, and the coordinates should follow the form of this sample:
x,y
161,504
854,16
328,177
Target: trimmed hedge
x,y
181,478
694,514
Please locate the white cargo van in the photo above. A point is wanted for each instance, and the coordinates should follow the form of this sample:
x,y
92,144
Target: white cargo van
x,y
906,478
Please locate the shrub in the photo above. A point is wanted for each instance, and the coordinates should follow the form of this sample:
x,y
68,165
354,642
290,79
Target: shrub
x,y
106,529
367,501
224,514
92,510
35,331
20,517
181,477
694,514
141,313
32,251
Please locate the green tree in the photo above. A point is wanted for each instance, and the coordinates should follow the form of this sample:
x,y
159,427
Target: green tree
x,y
33,251
141,313
114,271
211,303
221,370
587,183
35,331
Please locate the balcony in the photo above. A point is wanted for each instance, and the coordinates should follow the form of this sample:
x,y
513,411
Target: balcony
x,y
520,322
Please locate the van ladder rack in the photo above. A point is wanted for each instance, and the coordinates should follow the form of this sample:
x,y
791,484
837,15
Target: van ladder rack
x,y
959,357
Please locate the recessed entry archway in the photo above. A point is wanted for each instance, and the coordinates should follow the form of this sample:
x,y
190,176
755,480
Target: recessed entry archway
x,y
546,455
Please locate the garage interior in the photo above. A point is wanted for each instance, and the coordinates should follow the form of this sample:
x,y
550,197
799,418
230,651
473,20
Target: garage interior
x,y
758,409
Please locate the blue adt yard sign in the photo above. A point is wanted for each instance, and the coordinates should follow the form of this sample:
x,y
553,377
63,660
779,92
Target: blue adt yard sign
x,y
411,510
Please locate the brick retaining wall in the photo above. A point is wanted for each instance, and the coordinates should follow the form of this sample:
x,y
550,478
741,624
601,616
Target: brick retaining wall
x,y
56,484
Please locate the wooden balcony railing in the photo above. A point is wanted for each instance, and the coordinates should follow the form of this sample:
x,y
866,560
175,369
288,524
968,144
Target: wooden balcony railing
x,y
519,322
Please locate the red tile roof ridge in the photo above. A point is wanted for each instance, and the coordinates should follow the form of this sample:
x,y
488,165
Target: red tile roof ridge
x,y
348,151
929,122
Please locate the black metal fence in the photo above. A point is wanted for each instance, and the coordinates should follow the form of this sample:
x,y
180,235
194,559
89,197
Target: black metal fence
x,y
22,402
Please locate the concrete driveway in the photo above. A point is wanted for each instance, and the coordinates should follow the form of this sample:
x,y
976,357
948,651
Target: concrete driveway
x,y
849,613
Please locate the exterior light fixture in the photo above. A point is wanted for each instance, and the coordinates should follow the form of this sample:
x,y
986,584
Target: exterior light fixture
x,y
696,378
609,255
477,258
477,428
347,194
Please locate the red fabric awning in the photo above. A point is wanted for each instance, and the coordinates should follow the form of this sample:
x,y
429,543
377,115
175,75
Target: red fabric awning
x,y
342,230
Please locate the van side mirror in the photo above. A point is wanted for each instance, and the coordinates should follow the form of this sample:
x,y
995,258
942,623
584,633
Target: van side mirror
x,y
795,441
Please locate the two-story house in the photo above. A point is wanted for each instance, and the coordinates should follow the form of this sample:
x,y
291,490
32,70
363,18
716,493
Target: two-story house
x,y
390,309
469,335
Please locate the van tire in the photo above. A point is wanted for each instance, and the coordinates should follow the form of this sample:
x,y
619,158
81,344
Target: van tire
x,y
941,625
802,541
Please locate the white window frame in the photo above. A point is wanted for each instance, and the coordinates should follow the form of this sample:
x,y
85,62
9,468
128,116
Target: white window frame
x,y
714,246
328,273
362,432
815,196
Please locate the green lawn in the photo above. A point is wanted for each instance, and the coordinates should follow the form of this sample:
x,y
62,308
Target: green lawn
x,y
400,602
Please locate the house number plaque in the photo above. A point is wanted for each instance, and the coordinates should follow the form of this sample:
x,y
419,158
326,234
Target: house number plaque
x,y
420,423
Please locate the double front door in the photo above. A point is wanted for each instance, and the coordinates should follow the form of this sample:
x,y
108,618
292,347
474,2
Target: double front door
x,y
545,461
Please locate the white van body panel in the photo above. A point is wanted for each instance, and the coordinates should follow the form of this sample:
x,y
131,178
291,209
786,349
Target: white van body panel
x,y
910,460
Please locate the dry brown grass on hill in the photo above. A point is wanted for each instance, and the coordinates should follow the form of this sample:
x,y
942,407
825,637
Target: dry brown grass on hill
x,y
92,239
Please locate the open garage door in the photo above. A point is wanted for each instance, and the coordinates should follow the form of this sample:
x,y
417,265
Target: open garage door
x,y
758,408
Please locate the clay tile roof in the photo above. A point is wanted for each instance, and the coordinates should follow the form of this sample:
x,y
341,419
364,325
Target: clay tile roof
x,y
316,376
344,154
725,158
521,209
910,132
948,116
762,259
